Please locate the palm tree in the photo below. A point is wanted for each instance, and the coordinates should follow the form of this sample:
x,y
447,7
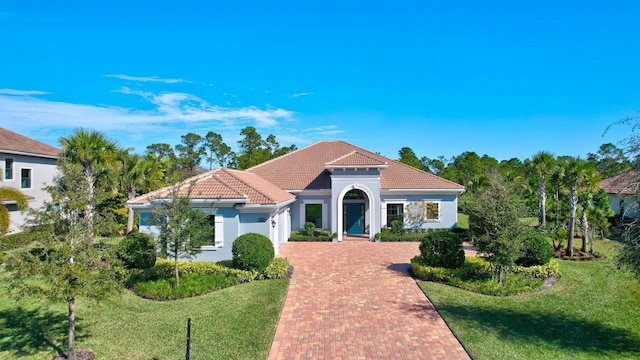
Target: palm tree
x,y
542,164
136,174
577,174
9,194
89,149
590,186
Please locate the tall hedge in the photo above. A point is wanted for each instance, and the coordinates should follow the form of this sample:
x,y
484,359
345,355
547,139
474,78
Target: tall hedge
x,y
442,248
252,252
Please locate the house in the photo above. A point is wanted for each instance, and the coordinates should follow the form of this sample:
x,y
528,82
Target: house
x,y
335,185
623,190
27,165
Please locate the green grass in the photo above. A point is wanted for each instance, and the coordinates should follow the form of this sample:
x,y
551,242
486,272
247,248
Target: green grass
x,y
234,323
592,312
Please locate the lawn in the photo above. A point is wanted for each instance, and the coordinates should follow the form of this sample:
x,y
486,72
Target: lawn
x,y
234,323
592,312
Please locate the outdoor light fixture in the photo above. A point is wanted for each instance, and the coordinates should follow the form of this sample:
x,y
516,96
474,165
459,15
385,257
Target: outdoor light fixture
x,y
273,223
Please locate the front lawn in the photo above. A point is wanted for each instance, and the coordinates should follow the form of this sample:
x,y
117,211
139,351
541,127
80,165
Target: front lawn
x,y
592,312
234,323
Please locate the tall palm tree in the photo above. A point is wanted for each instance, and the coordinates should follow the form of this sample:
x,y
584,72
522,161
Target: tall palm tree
x,y
137,174
576,175
9,194
590,186
89,149
542,164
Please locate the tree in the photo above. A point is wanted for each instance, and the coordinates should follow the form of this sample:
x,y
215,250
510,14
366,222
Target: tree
x,y
609,160
10,194
407,156
251,151
190,152
577,173
137,174
542,164
63,264
90,150
419,213
494,224
219,152
182,230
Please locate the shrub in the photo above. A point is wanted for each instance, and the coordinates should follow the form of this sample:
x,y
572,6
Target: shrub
x,y
278,269
429,273
442,249
252,252
539,271
318,235
309,228
137,251
397,227
1,257
12,241
389,237
536,250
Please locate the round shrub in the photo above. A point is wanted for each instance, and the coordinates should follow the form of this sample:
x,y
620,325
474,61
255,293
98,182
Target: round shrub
x,y
137,251
536,250
442,248
252,252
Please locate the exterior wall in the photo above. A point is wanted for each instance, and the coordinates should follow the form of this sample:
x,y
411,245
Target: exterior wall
x,y
448,208
274,224
629,204
313,197
42,172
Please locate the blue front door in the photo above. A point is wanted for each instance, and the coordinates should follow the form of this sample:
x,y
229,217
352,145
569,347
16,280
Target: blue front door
x,y
354,218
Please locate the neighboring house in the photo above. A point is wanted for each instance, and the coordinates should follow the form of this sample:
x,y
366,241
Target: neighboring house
x,y
27,165
335,185
623,190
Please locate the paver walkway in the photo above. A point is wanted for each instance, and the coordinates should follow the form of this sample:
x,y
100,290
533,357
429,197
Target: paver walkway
x,y
355,300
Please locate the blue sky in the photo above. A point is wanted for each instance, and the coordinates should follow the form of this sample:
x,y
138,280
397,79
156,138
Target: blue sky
x,y
502,78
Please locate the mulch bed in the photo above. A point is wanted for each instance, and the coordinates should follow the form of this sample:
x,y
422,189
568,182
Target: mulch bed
x,y
82,354
560,253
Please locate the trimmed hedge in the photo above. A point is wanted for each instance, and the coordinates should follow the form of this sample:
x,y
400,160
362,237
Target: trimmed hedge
x,y
536,250
12,241
164,269
137,251
278,269
252,252
318,235
389,237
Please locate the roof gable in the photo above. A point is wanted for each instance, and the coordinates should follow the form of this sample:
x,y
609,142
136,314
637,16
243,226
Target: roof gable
x,y
223,184
304,169
15,143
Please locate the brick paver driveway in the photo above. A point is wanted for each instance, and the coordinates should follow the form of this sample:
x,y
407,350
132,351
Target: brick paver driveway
x,y
355,300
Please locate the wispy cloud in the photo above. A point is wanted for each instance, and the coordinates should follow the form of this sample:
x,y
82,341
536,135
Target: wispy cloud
x,y
146,79
21,92
326,130
171,110
301,94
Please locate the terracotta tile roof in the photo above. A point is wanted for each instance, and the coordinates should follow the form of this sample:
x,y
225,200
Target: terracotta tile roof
x,y
223,184
356,158
10,141
627,183
305,168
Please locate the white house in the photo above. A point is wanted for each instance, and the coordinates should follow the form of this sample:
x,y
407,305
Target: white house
x,y
339,187
27,165
624,191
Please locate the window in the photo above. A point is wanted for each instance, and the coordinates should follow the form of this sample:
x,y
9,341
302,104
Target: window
x,y
8,169
394,212
216,240
313,213
433,211
212,223
25,178
145,219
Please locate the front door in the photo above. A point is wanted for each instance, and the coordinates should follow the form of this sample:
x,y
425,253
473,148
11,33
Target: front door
x,y
354,218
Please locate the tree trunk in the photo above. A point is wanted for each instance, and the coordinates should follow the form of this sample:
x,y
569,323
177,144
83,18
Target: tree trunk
x,y
88,212
71,355
573,203
585,231
130,195
176,271
542,199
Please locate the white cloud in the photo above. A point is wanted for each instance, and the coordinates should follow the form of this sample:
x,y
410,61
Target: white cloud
x,y
21,92
302,94
171,110
146,78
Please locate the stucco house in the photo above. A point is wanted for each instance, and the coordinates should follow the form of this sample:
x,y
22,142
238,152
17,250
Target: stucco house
x,y
27,165
339,187
624,191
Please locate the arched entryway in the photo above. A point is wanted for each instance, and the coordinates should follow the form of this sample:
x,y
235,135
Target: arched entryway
x,y
354,209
